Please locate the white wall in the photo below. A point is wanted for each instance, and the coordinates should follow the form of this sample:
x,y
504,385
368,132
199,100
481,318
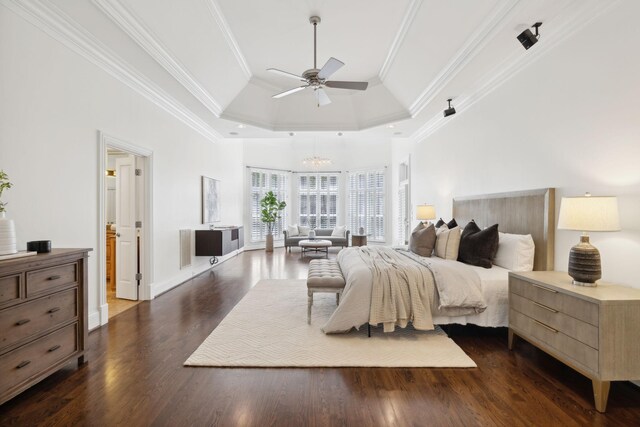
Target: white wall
x,y
54,102
568,121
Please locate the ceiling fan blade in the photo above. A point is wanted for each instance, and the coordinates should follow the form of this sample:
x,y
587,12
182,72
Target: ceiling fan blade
x,y
329,68
289,92
322,97
286,74
347,85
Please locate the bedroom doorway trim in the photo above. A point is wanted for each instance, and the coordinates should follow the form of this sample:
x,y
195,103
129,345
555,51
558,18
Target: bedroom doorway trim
x,y
106,141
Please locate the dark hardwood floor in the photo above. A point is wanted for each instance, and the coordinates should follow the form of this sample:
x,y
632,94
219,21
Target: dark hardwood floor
x,y
135,375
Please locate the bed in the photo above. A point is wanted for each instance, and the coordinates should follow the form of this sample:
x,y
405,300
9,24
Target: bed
x,y
523,212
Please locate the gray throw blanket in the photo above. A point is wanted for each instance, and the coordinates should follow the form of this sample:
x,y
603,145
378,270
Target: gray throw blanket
x,y
400,290
394,287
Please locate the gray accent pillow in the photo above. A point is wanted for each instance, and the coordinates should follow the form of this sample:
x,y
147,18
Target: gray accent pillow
x,y
423,240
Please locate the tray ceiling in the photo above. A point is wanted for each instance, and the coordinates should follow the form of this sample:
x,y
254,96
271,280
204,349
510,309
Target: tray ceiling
x,y
209,57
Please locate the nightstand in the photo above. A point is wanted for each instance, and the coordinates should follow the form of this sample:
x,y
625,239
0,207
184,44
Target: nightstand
x,y
358,240
594,330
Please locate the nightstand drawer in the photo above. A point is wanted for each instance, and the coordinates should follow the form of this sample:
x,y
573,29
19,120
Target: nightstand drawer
x,y
572,327
554,339
549,297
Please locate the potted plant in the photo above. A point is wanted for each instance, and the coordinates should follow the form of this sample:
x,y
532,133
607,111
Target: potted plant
x,y
270,213
7,228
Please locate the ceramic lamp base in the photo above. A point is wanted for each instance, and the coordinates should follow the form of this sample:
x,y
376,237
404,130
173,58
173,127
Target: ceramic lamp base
x,y
584,263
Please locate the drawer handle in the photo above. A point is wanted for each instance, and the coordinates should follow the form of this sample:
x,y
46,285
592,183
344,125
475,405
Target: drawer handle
x,y
555,331
56,277
22,322
54,348
53,310
23,364
545,307
545,288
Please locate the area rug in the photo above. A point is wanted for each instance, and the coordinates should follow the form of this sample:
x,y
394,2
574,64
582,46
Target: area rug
x,y
268,328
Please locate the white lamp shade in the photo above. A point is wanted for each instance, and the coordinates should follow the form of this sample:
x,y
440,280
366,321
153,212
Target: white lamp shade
x,y
425,212
589,213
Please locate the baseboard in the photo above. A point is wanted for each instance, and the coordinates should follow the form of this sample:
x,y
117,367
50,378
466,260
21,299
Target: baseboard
x,y
159,288
94,320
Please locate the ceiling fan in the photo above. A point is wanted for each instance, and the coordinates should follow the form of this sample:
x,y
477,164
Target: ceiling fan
x,y
317,78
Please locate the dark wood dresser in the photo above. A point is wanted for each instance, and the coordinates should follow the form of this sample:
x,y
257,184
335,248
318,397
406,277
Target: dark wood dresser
x,y
43,316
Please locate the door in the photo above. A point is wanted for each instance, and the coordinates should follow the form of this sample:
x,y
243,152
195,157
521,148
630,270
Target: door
x,y
126,248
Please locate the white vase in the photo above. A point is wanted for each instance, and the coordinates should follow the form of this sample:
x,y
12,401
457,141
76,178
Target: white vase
x,y
7,236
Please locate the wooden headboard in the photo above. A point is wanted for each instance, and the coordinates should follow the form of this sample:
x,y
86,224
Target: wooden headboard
x,y
520,212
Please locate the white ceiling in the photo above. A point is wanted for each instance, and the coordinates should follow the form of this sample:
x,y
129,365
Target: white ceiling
x,y
210,56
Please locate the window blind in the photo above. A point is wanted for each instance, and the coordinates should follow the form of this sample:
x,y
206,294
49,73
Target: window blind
x,y
366,203
318,200
262,181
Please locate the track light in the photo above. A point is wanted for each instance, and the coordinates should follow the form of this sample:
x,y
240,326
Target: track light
x,y
527,38
449,111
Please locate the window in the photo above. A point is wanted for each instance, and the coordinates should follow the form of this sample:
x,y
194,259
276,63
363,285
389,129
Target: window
x,y
366,203
318,200
260,182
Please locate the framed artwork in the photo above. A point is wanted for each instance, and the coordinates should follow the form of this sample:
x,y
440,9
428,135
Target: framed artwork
x,y
210,200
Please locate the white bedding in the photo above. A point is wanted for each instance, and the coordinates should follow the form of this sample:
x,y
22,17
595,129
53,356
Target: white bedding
x,y
494,284
356,298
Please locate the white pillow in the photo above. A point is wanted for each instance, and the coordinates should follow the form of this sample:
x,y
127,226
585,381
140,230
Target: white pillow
x,y
515,252
447,242
339,231
292,230
303,230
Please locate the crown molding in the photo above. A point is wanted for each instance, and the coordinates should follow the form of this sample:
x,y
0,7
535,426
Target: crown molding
x,y
409,15
132,25
575,17
213,7
478,40
58,25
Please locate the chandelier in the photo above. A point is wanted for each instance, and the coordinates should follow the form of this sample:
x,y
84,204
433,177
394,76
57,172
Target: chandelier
x,y
316,161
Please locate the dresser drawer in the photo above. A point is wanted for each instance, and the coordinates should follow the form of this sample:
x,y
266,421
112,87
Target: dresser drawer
x,y
549,297
23,363
573,349
45,279
10,291
40,315
570,326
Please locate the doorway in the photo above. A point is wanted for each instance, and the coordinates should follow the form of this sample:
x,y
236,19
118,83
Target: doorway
x,y
125,206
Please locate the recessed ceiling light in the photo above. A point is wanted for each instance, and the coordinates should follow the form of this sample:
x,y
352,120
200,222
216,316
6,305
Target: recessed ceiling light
x,y
291,133
339,133
391,126
397,133
241,126
233,133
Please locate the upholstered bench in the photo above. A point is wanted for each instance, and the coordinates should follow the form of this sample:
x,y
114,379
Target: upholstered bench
x,y
324,276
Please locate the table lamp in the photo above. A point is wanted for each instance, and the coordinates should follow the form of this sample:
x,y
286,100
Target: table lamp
x,y
587,213
425,212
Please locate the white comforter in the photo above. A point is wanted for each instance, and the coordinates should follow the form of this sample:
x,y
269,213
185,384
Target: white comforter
x,y
456,291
